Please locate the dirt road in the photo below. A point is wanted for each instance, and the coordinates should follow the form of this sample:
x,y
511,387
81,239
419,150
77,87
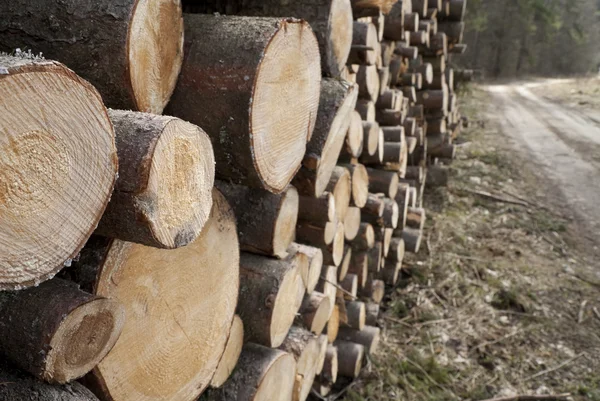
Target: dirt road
x,y
563,141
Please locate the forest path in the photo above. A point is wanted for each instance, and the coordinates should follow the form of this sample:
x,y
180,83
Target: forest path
x,y
563,142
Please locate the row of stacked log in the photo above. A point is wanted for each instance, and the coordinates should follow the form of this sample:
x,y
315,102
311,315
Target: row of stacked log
x,y
207,269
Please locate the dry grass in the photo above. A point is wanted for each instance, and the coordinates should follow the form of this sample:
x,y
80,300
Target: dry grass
x,y
495,299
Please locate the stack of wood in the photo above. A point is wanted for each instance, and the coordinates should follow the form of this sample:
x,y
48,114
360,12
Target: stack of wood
x,y
242,246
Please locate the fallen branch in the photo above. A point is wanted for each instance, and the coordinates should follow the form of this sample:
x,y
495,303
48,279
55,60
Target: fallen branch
x,y
497,198
562,365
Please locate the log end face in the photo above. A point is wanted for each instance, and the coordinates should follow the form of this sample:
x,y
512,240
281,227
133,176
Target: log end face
x,y
285,103
83,339
314,270
277,384
360,185
231,355
155,52
286,305
321,317
339,35
285,226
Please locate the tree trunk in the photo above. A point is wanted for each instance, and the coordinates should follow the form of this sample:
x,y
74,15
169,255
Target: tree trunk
x,y
271,293
262,374
337,102
57,332
350,357
58,165
144,41
175,301
231,355
163,195
266,222
305,348
259,130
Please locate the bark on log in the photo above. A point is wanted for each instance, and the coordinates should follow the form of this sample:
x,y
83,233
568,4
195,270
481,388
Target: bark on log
x,y
392,152
374,258
454,31
273,64
365,239
350,286
271,293
372,311
317,209
350,357
317,233
396,253
390,99
352,223
367,79
57,332
384,182
58,165
163,195
415,218
333,325
389,273
310,275
231,355
371,138
389,118
305,348
266,222
337,101
262,374
366,109
167,314
340,186
367,337
330,367
355,315
359,267
144,41
333,253
316,310
394,22
437,176
364,44
374,290
17,386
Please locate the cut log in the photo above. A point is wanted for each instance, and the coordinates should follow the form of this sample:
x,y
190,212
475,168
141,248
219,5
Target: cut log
x,y
262,374
163,195
360,184
316,310
350,357
365,239
390,271
352,223
396,253
367,79
394,22
75,332
271,293
389,99
374,290
323,343
316,233
415,218
367,337
437,176
330,367
366,109
355,315
340,186
391,214
372,311
305,348
144,41
371,140
385,182
350,286
18,386
58,165
231,355
345,265
454,31
387,53
167,314
317,209
359,265
393,134
337,101
266,222
333,325
310,276
412,239
374,257
355,135
333,253
433,99
389,118
392,152
259,130
364,44
328,284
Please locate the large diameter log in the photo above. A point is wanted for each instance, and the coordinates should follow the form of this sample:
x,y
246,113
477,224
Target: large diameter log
x,y
337,101
315,311
231,355
305,348
163,195
271,293
259,130
168,313
57,332
316,233
310,275
367,337
340,185
17,385
262,374
143,38
58,165
266,222
350,357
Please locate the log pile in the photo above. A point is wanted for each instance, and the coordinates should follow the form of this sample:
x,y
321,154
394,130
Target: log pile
x,y
239,246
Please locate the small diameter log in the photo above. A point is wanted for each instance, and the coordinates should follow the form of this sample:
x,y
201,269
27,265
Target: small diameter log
x,y
266,222
365,239
350,286
75,332
389,118
390,271
374,205
389,99
371,140
411,144
411,53
317,209
367,337
58,165
163,195
393,134
352,223
333,325
433,99
372,311
458,9
374,290
273,64
271,293
17,386
368,82
337,102
262,374
167,314
454,31
305,348
436,126
385,182
416,173
412,239
415,218
374,257
310,275
387,52
359,267
328,283
340,185
144,40
410,126
360,184
345,265
396,253
355,315
410,93
366,109
315,311
323,343
330,367
355,135
391,214
437,176
384,236
316,233
392,152
394,26
364,44
350,357
231,355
